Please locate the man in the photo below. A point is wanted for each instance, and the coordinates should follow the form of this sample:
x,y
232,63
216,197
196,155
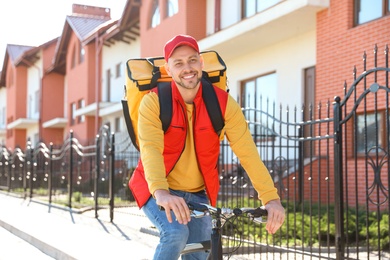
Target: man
x,y
180,165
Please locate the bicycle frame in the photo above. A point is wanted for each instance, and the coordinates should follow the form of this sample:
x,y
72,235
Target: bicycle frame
x,y
214,245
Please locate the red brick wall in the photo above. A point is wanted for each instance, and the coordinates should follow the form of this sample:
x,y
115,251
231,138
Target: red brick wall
x,y
316,182
340,47
91,10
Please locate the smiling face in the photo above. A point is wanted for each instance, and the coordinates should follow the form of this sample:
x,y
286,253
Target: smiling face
x,y
185,67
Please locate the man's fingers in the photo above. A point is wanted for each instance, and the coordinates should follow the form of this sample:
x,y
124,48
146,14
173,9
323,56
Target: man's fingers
x,y
181,212
168,213
179,208
274,222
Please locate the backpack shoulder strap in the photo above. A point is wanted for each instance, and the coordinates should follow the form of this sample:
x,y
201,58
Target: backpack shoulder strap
x,y
165,100
209,97
212,105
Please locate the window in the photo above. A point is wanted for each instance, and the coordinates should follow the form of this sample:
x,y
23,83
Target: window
x,y
368,10
118,70
254,94
264,86
82,54
155,15
370,132
3,113
108,85
252,7
228,12
81,104
36,140
172,7
72,112
37,99
73,63
117,124
30,105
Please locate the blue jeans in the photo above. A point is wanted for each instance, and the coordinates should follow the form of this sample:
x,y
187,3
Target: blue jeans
x,y
174,236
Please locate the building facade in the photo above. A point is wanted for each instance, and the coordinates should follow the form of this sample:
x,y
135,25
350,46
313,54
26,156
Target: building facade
x,y
290,52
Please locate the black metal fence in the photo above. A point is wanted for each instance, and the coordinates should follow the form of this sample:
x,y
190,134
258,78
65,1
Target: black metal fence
x,y
332,173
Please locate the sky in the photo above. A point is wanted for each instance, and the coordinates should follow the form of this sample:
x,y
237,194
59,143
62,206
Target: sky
x,y
34,22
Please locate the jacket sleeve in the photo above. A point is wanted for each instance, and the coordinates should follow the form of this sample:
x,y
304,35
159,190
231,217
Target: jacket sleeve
x,y
241,141
151,139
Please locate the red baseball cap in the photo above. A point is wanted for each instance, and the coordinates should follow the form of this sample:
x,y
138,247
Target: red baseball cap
x,y
177,41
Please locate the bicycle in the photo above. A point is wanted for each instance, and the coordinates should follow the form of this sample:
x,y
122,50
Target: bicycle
x,y
214,245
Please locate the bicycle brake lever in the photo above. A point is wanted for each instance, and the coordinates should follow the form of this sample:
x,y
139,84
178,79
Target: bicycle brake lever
x,y
259,220
198,214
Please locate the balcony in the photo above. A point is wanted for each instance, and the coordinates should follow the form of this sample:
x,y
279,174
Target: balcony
x,y
110,110
90,110
275,24
55,123
23,123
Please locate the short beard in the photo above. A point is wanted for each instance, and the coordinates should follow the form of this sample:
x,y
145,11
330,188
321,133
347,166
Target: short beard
x,y
189,86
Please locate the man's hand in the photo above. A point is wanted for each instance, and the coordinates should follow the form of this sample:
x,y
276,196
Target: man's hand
x,y
275,217
176,204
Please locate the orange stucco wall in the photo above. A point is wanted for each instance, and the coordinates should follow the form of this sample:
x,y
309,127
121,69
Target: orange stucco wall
x,y
81,84
16,85
52,98
191,19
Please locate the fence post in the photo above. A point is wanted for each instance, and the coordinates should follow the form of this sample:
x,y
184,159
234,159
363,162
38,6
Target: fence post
x,y
338,181
301,174
96,180
50,186
31,181
112,175
9,166
70,181
27,169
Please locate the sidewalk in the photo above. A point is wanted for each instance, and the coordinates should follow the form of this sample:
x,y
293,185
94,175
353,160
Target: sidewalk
x,y
66,235
63,234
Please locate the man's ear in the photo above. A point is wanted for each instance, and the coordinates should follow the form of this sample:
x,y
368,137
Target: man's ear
x,y
167,69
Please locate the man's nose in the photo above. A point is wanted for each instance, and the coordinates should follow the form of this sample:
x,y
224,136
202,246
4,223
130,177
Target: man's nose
x,y
187,66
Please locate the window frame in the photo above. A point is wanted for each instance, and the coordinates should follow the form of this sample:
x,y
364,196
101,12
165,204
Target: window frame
x,y
118,70
173,4
381,122
81,104
356,10
73,58
72,112
37,101
244,4
81,54
155,17
266,134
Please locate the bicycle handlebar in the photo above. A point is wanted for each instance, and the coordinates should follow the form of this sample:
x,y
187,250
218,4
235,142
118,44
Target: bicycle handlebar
x,y
199,210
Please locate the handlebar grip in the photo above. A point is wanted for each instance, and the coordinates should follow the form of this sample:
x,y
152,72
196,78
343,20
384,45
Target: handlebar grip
x,y
259,212
197,206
